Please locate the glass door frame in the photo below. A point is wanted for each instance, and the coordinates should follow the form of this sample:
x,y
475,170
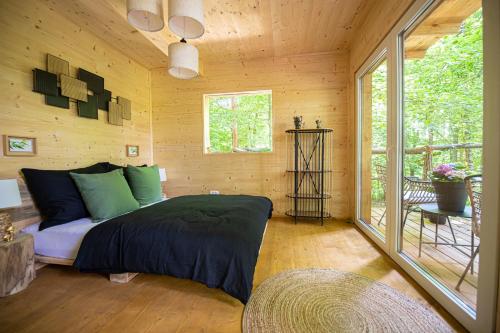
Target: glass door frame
x,y
377,58
392,47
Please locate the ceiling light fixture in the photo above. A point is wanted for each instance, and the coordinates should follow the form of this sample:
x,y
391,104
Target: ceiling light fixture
x,y
185,18
145,15
183,60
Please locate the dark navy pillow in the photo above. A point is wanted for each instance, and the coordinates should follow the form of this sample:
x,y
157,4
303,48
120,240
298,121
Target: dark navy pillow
x,y
111,167
56,194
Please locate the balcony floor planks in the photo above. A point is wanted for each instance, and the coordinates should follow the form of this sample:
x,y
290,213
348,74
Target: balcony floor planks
x,y
444,262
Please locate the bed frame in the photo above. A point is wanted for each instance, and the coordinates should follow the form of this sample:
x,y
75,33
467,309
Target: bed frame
x,y
28,214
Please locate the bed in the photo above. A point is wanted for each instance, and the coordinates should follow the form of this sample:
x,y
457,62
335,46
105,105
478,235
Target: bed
x,y
206,238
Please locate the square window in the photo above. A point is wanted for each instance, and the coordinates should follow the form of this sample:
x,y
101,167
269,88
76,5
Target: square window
x,y
238,122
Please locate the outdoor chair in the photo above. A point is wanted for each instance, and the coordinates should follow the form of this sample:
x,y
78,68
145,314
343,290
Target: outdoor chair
x,y
474,186
381,171
416,192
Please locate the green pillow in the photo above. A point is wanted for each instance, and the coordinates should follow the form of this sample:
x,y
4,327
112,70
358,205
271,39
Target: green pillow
x,y
106,195
145,184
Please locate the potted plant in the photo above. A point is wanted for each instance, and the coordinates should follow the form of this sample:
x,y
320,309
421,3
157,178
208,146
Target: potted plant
x,y
448,182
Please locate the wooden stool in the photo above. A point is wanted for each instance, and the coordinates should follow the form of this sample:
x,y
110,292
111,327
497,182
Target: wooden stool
x,y
17,264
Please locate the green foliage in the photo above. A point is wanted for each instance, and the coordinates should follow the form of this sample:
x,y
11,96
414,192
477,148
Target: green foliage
x,y
443,102
245,117
443,98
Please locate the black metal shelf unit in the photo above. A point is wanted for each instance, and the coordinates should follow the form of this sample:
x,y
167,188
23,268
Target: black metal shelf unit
x,y
309,173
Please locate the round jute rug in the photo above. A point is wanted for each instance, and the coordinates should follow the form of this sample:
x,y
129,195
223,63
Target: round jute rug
x,y
325,300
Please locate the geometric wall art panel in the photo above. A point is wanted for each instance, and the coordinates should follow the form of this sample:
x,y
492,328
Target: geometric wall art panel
x,y
103,100
115,114
44,82
60,88
57,65
88,109
126,105
59,101
95,83
73,88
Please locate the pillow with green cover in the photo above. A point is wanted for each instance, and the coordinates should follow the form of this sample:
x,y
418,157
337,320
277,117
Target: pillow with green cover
x,y
145,184
106,195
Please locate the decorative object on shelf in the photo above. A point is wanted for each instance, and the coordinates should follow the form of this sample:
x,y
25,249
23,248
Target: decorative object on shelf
x,y
145,15
309,173
95,83
59,100
185,18
297,120
73,88
17,264
115,114
19,146
163,174
126,105
183,60
44,82
132,151
88,109
448,182
9,197
57,65
318,123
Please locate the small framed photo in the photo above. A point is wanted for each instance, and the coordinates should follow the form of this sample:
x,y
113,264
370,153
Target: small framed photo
x,y
19,146
132,151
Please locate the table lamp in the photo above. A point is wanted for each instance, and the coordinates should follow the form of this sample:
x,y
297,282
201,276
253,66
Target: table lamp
x,y
9,197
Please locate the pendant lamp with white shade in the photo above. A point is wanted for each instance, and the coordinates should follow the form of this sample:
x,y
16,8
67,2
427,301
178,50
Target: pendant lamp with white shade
x,y
145,15
183,60
185,18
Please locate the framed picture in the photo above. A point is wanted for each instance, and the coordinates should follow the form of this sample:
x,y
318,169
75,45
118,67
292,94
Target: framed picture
x,y
19,146
132,151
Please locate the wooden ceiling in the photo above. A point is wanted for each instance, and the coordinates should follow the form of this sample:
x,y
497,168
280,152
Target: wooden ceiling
x,y
235,29
445,20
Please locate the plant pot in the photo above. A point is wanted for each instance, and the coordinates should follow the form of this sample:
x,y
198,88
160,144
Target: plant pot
x,y
450,196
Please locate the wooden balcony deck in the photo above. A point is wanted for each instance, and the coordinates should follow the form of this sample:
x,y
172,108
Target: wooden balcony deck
x,y
444,262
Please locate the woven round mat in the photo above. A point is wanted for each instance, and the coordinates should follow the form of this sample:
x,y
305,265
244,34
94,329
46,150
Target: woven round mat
x,y
325,300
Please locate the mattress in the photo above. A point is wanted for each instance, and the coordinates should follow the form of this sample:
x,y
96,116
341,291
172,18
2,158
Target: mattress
x,y
64,240
60,241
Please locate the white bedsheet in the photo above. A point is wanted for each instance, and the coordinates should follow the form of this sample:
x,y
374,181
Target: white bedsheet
x,y
64,240
60,241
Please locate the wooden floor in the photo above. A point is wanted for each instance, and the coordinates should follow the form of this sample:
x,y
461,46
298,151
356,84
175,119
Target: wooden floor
x,y
63,300
446,263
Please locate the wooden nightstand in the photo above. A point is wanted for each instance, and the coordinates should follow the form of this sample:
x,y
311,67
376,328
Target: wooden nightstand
x,y
17,264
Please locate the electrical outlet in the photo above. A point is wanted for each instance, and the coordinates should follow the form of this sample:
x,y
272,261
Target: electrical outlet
x,y
214,192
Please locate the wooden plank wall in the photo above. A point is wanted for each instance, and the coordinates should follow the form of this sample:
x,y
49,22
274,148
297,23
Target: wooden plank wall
x,y
382,16
314,86
29,30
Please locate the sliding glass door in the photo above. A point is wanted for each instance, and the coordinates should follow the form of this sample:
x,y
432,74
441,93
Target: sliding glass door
x,y
442,132
373,91
427,167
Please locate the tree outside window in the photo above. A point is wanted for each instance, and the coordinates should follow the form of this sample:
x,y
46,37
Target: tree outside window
x,y
238,122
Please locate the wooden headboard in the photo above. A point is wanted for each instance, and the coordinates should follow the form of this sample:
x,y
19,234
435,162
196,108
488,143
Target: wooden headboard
x,y
27,214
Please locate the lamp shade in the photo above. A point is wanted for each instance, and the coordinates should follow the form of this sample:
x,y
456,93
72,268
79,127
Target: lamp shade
x,y
163,174
9,193
185,18
183,60
145,15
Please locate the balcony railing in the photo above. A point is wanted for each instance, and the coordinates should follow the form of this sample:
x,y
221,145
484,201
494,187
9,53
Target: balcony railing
x,y
427,151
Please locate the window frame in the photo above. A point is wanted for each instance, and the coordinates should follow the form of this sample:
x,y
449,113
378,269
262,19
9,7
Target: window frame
x,y
486,311
206,121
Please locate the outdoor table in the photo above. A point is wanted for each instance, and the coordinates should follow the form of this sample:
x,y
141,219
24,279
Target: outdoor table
x,y
433,209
